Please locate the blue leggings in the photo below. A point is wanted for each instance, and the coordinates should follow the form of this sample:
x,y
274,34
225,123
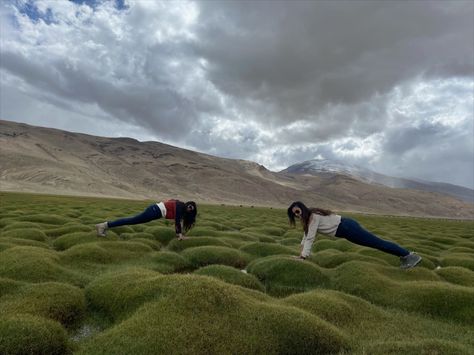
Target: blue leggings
x,y
353,232
151,212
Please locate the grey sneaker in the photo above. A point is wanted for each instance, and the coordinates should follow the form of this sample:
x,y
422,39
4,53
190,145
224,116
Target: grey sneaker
x,y
101,229
409,261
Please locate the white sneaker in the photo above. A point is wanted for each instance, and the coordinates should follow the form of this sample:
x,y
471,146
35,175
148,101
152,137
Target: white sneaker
x,y
409,261
101,229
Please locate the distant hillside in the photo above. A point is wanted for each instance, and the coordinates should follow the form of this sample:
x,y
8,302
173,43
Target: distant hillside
x,y
325,166
45,160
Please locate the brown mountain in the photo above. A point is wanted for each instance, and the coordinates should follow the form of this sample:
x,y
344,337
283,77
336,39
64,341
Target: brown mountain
x,y
45,160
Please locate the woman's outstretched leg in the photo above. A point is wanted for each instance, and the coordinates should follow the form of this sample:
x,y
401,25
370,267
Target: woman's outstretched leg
x,y
352,231
150,213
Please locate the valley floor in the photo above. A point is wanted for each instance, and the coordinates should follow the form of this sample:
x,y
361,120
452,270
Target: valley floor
x,y
232,287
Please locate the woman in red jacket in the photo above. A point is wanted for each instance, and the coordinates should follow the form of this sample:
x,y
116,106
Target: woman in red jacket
x,y
183,214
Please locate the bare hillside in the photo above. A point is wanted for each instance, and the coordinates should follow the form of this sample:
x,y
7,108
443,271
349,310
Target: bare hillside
x,y
45,160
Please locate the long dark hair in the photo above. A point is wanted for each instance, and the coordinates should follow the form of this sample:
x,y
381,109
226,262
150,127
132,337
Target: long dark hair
x,y
189,217
305,213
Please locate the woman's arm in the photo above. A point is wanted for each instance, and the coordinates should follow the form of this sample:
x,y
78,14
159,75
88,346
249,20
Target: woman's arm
x,y
302,243
310,236
178,226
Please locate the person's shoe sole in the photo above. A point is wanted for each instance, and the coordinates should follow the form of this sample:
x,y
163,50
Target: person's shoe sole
x,y
417,262
99,234
414,264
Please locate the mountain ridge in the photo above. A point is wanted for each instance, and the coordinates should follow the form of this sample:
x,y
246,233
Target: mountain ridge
x,y
325,166
46,160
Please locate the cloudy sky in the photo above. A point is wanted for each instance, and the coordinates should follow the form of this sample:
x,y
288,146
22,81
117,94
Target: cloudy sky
x,y
388,85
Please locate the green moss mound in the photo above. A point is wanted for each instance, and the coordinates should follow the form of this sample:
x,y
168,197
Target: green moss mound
x,y
340,244
69,240
265,230
466,244
26,334
36,265
5,246
415,274
154,244
293,234
265,239
266,249
19,225
46,219
427,346
438,300
139,227
12,242
4,222
61,302
25,233
168,262
458,259
135,289
231,275
118,294
105,252
331,258
430,298
290,241
282,276
8,285
457,275
233,242
335,307
122,229
203,231
163,234
237,236
460,250
447,241
74,228
207,255
211,311
179,245
388,259
135,235
214,225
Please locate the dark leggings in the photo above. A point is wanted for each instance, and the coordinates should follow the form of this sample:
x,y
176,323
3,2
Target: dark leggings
x,y
353,232
151,212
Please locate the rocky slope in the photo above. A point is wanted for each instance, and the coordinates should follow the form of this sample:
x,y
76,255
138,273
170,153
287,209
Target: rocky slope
x,y
45,160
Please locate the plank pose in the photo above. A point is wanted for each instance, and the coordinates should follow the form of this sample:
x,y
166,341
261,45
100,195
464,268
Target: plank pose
x,y
316,220
183,214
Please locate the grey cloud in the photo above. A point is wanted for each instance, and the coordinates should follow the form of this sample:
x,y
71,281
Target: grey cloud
x,y
431,152
337,67
277,62
236,142
403,139
338,121
302,56
158,107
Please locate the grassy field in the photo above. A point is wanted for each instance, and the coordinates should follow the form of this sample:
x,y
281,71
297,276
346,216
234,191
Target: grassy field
x,y
140,291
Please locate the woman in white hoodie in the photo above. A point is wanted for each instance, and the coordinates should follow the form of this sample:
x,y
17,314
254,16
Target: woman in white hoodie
x,y
316,220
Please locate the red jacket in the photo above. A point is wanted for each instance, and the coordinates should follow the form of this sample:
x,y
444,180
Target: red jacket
x,y
175,210
170,209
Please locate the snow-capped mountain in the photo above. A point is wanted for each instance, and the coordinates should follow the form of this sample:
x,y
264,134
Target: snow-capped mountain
x,y
327,166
